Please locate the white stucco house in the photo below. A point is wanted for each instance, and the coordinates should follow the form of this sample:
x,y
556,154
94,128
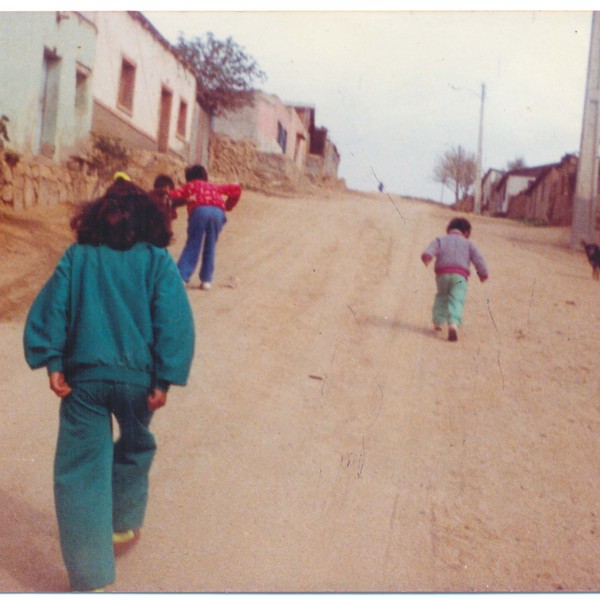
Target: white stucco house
x,y
45,81
143,93
66,74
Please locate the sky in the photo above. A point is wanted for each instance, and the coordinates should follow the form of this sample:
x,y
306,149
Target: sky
x,y
398,89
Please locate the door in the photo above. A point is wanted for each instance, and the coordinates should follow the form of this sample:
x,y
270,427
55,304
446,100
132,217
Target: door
x,y
45,142
164,119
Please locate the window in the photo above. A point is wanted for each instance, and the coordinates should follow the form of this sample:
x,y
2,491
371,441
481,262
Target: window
x,y
182,118
126,85
281,136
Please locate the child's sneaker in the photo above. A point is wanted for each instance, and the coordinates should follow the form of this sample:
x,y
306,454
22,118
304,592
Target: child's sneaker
x,y
205,285
452,333
124,540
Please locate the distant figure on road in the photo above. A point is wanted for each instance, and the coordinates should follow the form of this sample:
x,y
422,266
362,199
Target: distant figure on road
x,y
453,255
380,186
114,329
206,216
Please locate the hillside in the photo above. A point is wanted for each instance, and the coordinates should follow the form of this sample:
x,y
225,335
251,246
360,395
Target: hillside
x,y
328,440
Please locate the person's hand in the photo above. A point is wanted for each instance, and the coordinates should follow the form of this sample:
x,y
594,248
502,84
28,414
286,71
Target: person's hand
x,y
483,278
157,399
59,385
426,259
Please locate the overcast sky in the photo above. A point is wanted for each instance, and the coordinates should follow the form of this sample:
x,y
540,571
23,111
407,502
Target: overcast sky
x,y
397,89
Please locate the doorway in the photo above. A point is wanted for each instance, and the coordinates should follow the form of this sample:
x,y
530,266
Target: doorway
x,y
45,142
164,120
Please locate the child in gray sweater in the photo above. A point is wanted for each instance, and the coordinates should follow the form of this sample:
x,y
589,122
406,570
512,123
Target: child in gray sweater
x,y
453,255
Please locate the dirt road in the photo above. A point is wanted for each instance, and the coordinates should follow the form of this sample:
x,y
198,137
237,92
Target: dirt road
x,y
328,440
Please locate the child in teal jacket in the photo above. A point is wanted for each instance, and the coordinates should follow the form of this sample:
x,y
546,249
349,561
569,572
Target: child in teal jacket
x,y
114,329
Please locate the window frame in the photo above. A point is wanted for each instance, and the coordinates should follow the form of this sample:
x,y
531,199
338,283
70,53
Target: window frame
x,y
126,91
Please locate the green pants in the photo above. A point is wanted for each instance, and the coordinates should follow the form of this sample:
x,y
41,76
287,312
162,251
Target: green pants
x,y
100,487
450,299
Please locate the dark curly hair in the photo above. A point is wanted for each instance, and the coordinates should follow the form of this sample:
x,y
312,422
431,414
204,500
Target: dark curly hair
x,y
196,172
461,224
122,217
162,181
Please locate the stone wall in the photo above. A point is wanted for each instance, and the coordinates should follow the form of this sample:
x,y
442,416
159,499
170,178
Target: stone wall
x,y
41,182
25,184
232,161
241,162
144,166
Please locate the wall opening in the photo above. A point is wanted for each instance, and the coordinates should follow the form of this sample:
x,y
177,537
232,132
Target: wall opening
x,y
164,119
82,100
281,136
126,86
45,143
182,118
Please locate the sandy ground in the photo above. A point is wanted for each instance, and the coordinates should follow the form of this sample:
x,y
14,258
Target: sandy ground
x,y
328,440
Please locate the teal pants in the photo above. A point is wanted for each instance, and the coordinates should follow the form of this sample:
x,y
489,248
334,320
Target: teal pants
x,y
450,299
100,487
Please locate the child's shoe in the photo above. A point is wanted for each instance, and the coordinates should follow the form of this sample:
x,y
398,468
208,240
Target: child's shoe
x,y
205,285
452,332
437,327
124,540
95,590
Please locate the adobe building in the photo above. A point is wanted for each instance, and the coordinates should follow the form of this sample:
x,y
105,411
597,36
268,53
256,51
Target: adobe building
x,y
46,77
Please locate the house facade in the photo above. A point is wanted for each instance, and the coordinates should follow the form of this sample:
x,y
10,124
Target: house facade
x,y
548,199
70,74
47,83
274,127
142,92
323,159
201,130
488,181
106,72
508,186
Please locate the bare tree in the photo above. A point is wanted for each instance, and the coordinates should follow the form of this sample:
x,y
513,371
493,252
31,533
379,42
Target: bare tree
x,y
517,163
225,73
456,169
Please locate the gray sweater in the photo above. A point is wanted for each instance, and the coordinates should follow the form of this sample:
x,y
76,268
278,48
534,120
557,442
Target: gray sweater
x,y
454,253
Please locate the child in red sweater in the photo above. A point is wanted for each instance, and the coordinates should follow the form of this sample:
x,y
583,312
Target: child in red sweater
x,y
206,205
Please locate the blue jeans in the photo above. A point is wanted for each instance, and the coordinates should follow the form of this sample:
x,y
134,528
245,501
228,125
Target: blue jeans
x,y
204,224
100,487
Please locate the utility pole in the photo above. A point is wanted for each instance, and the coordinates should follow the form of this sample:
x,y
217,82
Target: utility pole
x,y
478,168
586,186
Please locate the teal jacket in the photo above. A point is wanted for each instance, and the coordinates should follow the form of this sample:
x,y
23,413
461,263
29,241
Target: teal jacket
x,y
117,315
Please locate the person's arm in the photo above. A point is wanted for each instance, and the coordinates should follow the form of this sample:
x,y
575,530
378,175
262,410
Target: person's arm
x,y
59,385
180,193
430,252
46,327
479,262
157,399
174,334
233,193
